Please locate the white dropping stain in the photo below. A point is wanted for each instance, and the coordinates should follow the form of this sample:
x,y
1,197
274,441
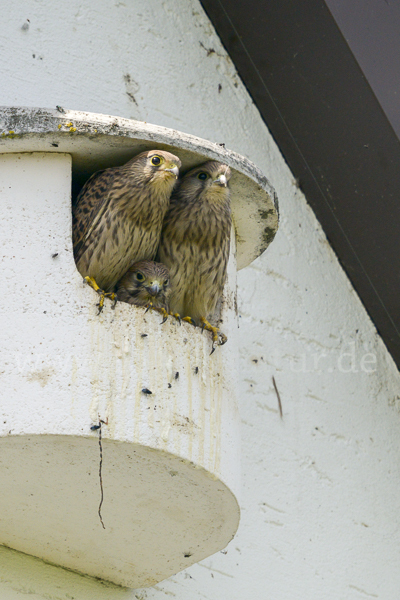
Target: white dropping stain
x,y
118,350
169,368
165,429
190,389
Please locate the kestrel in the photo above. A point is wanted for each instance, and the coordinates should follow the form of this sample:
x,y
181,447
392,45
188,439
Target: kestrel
x,y
146,283
195,243
118,216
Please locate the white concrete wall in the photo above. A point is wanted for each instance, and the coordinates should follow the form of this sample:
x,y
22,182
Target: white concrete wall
x,y
321,495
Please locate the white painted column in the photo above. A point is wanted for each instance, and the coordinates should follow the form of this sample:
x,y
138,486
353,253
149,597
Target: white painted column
x,y
170,458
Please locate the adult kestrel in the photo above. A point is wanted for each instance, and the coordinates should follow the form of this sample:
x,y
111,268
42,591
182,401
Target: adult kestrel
x,y
118,215
195,243
146,283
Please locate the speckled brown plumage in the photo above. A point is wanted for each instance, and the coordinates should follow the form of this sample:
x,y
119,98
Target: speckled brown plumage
x,y
195,240
118,216
146,282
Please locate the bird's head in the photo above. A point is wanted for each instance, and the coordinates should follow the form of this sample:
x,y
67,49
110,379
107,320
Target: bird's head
x,y
147,281
210,179
155,167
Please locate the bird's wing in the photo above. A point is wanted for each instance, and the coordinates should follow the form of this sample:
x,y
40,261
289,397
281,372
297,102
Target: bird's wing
x,y
91,204
176,256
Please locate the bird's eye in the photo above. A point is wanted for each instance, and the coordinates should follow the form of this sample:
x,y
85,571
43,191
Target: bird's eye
x,y
166,282
203,176
140,276
156,160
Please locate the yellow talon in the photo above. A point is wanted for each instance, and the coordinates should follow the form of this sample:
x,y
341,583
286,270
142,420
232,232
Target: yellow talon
x,y
92,282
218,338
190,320
165,314
159,309
178,317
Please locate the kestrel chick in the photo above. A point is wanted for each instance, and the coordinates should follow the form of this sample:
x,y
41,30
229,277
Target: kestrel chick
x,y
118,216
195,242
146,283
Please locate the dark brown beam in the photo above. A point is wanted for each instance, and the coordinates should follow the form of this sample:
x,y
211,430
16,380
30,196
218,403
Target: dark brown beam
x,y
333,133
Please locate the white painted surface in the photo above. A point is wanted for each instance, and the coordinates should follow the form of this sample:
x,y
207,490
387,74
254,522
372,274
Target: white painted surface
x,y
319,506
170,457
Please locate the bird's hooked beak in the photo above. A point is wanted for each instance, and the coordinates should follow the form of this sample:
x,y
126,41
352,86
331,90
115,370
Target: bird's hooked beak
x,y
174,170
154,288
221,180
